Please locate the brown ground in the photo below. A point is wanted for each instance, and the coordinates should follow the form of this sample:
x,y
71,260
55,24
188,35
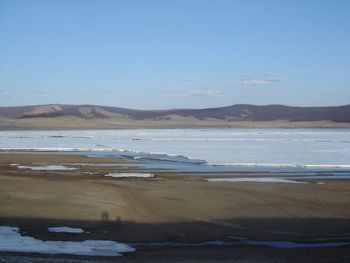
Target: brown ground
x,y
171,207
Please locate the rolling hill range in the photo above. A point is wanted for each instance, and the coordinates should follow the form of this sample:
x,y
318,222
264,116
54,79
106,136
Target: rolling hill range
x,y
60,116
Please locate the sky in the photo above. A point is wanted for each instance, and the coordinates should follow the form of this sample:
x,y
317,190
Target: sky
x,y
150,54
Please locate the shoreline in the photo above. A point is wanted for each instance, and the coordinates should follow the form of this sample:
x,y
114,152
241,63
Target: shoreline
x,y
169,207
74,123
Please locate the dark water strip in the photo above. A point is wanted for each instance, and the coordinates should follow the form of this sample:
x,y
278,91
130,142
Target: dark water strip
x,y
241,241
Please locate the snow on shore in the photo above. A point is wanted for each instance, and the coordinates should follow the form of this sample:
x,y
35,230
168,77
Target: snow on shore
x,y
126,175
12,241
47,168
65,229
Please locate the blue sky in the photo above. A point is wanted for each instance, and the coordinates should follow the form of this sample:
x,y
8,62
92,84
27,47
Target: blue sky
x,y
174,54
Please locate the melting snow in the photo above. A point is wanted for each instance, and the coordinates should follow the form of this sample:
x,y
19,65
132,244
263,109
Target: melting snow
x,y
12,241
65,229
47,167
123,175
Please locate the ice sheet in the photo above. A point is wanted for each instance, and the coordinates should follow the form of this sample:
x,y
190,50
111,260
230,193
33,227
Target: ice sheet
x,y
313,149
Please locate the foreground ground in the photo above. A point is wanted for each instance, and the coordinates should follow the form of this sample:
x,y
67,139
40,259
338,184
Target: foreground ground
x,y
182,208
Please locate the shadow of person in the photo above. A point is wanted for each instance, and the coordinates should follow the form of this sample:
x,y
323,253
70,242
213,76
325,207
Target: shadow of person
x,y
104,216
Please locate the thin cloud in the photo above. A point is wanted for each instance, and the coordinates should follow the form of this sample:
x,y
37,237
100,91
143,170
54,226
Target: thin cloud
x,y
37,92
252,80
202,94
190,79
273,77
97,91
5,98
103,91
233,82
173,90
319,99
256,82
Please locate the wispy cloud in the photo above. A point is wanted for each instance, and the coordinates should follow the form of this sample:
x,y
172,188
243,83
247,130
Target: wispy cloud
x,y
173,89
319,99
202,94
233,82
103,91
273,77
97,91
190,79
252,80
37,92
5,97
255,82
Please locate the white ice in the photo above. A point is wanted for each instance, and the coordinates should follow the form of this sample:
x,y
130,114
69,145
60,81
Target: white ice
x,y
124,175
65,229
47,168
12,241
310,148
256,180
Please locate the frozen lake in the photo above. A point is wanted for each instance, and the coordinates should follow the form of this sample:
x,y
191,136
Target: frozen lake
x,y
311,148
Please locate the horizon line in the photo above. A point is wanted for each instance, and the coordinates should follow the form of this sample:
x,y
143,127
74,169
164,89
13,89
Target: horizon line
x,y
237,104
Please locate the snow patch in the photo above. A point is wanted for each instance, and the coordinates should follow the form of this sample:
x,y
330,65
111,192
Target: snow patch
x,y
127,175
12,241
65,229
47,168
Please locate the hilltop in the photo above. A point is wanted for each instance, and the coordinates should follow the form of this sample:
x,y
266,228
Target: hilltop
x,y
62,116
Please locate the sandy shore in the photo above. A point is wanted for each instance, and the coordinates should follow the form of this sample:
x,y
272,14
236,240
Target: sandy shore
x,y
181,208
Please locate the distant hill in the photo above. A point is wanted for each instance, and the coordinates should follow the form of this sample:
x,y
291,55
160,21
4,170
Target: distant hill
x,y
240,115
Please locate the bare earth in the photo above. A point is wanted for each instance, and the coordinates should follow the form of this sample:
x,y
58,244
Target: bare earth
x,y
172,207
